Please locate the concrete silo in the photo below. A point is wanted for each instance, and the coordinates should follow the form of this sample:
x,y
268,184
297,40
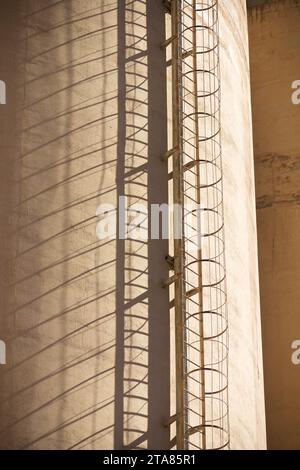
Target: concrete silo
x,y
274,29
86,321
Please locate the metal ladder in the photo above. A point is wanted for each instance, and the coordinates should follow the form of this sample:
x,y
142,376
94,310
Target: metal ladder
x,y
201,323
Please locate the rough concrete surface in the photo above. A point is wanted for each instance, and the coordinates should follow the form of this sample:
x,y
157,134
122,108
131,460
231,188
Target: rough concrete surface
x,y
275,64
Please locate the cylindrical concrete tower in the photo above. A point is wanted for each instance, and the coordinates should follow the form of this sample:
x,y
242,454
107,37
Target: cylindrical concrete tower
x,y
86,321
275,66
246,389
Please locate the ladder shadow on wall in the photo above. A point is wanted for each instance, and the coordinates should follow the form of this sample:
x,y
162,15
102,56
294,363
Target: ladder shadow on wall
x,y
143,343
86,323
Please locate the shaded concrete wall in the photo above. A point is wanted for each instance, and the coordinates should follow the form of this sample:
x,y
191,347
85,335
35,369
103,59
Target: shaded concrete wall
x,y
246,390
275,65
85,322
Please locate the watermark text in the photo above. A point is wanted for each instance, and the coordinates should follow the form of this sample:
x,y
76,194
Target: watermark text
x,y
2,352
296,93
2,92
295,358
138,221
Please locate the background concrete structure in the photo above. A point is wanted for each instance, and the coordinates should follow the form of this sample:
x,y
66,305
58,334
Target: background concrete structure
x,y
86,322
274,30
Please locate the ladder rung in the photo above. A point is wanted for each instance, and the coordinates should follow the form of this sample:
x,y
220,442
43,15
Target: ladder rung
x,y
192,292
186,54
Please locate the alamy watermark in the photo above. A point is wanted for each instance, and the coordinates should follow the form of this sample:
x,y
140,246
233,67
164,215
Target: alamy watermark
x,y
2,352
141,222
2,92
295,358
296,93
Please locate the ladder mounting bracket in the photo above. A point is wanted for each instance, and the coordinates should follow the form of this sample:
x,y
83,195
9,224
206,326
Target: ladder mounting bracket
x,y
170,260
167,5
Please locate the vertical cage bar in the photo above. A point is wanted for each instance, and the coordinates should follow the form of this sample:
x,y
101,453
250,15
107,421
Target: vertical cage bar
x,y
178,240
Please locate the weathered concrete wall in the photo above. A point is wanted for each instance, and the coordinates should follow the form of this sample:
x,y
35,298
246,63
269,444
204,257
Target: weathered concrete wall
x,y
86,322
275,64
246,390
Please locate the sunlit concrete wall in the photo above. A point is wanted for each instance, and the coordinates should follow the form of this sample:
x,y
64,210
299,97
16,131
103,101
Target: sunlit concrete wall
x,y
275,65
246,391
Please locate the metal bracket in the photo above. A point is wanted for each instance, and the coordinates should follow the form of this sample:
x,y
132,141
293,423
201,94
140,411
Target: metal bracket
x,y
170,260
167,5
168,282
168,154
186,54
